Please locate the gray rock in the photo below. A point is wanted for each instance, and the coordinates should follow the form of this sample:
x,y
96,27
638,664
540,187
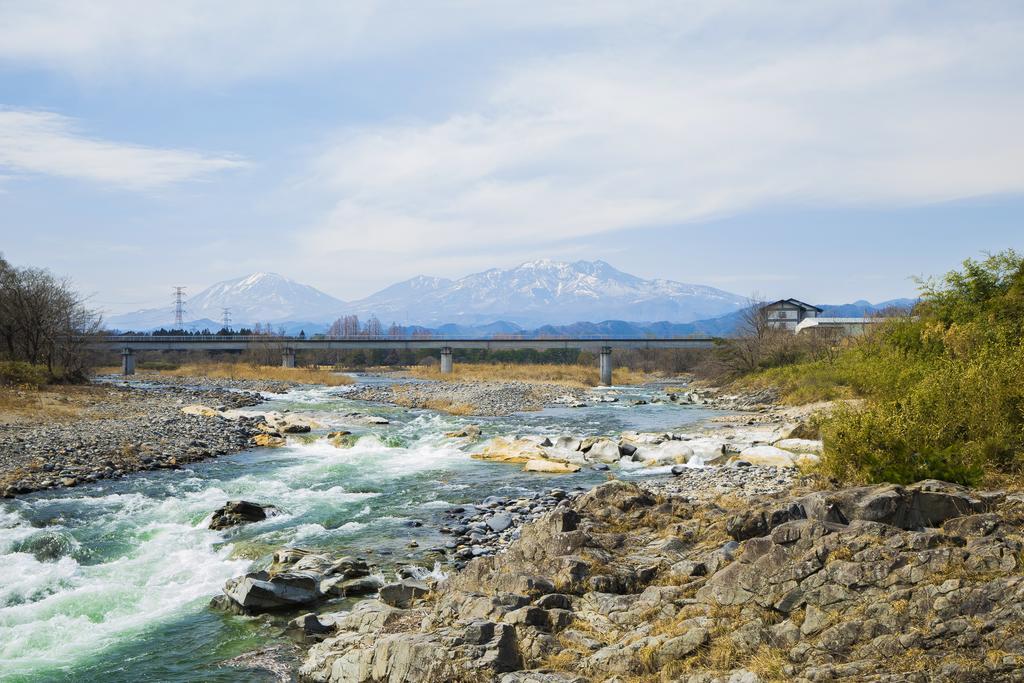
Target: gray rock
x,y
308,628
604,450
500,522
259,592
236,512
403,593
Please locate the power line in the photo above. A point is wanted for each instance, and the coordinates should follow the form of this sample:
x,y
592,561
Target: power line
x,y
179,306
226,318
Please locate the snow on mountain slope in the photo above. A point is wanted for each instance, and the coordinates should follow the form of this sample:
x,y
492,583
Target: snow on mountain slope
x,y
545,292
533,294
260,297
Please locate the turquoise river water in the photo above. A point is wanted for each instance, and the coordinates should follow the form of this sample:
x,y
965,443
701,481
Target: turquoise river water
x,y
111,581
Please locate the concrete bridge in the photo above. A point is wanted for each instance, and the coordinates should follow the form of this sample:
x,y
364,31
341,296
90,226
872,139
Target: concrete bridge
x,y
130,344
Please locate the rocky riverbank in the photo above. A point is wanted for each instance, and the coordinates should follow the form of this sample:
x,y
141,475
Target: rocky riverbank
x,y
648,582
125,429
155,379
475,398
504,398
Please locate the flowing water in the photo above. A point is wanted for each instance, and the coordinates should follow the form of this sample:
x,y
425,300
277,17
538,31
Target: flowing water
x,y
111,581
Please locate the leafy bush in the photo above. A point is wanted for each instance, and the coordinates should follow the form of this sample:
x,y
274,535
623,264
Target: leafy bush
x,y
944,393
961,420
17,373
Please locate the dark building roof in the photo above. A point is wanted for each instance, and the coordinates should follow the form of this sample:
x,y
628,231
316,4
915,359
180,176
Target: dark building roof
x,y
797,303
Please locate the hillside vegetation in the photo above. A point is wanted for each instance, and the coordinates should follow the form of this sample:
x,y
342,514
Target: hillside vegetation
x,y
943,392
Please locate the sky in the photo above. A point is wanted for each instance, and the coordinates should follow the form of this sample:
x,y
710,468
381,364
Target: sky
x,y
828,151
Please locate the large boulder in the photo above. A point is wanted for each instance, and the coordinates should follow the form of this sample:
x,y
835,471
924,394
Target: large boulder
x,y
646,438
342,586
236,512
766,455
517,451
569,443
550,466
261,592
922,505
814,446
268,440
295,578
666,453
604,450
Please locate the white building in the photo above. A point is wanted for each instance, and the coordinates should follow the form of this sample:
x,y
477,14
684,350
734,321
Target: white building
x,y
788,313
846,327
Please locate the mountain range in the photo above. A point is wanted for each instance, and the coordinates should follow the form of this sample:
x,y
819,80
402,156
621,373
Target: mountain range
x,y
536,298
535,293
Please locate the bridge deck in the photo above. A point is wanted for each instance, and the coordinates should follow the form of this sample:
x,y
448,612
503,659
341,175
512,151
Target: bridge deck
x,y
242,343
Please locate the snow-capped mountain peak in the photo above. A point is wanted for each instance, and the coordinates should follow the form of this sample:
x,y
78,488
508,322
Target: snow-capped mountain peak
x,y
534,293
544,291
258,297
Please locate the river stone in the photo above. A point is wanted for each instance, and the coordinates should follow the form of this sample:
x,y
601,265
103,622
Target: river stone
x,y
500,521
667,453
236,512
268,441
467,432
604,450
296,428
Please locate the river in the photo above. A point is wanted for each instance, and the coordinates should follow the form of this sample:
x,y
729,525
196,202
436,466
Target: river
x,y
111,581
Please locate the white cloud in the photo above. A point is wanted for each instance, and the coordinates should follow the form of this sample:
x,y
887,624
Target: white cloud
x,y
39,142
229,40
574,119
592,142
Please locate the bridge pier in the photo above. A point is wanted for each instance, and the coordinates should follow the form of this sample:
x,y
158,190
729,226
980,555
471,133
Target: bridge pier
x,y
288,358
446,360
606,366
127,361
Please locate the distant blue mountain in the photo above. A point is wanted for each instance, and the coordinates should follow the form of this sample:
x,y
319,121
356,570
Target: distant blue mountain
x,y
722,326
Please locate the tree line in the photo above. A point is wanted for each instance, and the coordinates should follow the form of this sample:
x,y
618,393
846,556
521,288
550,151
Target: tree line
x,y
44,322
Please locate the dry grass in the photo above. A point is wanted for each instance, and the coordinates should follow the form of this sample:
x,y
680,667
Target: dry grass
x,y
563,661
55,404
579,376
310,375
767,663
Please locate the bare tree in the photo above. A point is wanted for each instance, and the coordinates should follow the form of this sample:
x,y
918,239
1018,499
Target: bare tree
x,y
743,352
373,327
43,321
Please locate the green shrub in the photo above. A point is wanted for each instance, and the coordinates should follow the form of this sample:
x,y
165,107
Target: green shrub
x,y
17,373
942,394
945,393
